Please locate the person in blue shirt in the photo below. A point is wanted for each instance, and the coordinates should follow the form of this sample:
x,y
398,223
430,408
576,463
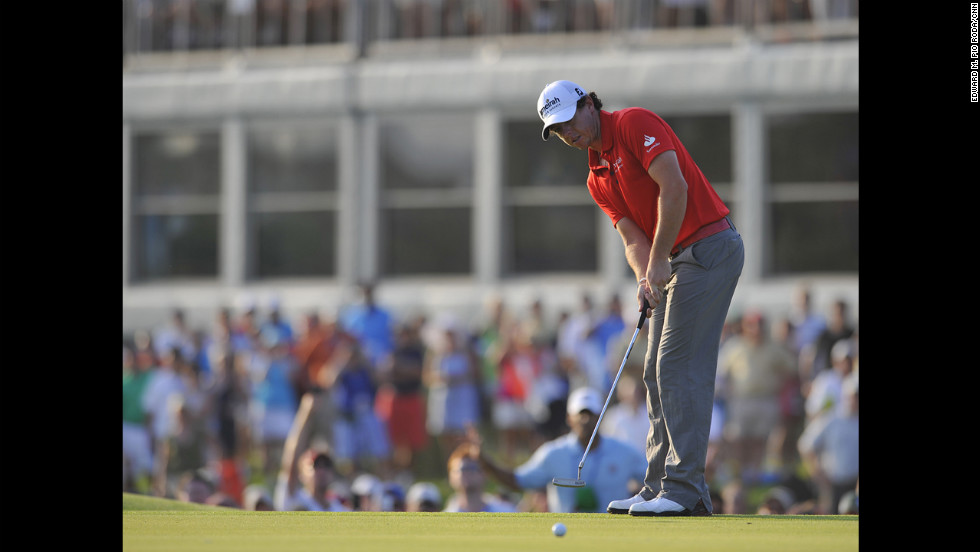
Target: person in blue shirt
x,y
611,468
372,325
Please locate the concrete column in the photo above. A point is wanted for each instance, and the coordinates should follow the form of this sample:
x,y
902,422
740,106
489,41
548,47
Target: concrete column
x,y
487,195
233,233
612,256
359,210
127,205
751,187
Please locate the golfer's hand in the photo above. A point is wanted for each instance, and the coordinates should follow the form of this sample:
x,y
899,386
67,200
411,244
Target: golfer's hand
x,y
652,286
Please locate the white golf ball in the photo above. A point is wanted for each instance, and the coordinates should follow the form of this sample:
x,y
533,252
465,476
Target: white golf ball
x,y
558,529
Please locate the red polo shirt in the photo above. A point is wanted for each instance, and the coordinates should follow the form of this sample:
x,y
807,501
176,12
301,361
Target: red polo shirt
x,y
618,178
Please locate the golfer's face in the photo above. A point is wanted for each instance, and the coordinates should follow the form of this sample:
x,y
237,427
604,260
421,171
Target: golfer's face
x,y
579,131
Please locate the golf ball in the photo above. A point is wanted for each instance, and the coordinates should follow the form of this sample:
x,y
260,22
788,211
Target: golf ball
x,y
558,529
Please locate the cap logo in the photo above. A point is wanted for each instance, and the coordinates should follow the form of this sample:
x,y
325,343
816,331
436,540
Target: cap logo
x,y
550,106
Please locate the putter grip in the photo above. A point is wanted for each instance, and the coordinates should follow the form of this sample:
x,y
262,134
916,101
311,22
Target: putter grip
x,y
643,313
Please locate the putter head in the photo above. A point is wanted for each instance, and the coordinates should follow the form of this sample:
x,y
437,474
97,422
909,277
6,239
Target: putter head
x,y
567,482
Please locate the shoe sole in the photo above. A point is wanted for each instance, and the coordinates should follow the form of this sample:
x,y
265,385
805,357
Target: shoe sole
x,y
699,511
618,510
683,513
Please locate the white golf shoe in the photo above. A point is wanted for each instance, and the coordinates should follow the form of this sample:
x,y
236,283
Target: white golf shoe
x,y
623,506
661,506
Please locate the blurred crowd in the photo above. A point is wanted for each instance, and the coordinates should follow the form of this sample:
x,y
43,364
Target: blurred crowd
x,y
164,25
358,409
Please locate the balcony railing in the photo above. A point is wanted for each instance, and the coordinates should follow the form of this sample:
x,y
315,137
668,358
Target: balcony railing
x,y
184,26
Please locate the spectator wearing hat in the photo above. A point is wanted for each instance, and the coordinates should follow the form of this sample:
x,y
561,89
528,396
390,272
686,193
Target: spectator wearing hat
x,y
257,499
612,468
825,394
423,496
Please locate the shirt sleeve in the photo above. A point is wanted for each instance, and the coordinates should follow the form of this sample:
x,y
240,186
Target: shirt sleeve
x,y
645,135
538,471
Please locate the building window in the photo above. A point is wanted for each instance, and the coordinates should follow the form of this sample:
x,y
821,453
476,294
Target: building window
x,y
292,184
708,138
550,222
176,204
813,171
426,194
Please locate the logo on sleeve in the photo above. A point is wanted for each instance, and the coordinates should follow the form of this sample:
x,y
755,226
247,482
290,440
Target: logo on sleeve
x,y
650,142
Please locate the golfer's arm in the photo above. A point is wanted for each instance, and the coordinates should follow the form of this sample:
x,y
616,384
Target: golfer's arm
x,y
666,172
637,246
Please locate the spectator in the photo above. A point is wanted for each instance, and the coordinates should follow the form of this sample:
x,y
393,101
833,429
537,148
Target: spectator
x,y
229,396
549,392
627,419
367,492
451,375
186,449
807,324
734,498
781,445
393,498
519,367
489,343
257,499
360,438
605,333
314,351
136,438
423,496
753,373
468,482
816,358
308,471
273,400
541,331
825,394
829,448
196,487
612,467
175,334
372,326
166,381
400,401
276,322
226,335
579,353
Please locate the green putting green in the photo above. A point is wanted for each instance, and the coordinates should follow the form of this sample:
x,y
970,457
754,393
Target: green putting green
x,y
163,525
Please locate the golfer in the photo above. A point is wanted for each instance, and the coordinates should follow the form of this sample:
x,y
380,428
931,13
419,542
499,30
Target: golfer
x,y
687,257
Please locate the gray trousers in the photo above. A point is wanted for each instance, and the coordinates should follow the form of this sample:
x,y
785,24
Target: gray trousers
x,y
680,365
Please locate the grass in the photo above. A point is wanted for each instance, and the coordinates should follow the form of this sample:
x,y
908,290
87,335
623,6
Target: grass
x,y
153,524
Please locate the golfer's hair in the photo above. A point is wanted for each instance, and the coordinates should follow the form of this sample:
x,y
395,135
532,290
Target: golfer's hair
x,y
595,101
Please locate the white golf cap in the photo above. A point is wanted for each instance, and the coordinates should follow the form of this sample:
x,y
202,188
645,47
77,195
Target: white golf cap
x,y
424,491
584,398
557,103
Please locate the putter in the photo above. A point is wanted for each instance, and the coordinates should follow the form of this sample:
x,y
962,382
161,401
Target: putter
x,y
577,482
